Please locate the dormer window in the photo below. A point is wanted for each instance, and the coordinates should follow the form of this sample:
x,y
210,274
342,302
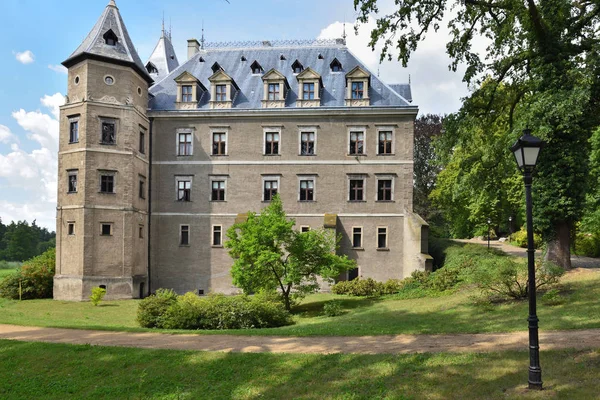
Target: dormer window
x,y
309,88
256,68
216,67
223,89
273,91
357,87
186,93
189,91
297,67
243,59
221,92
358,90
282,57
151,68
276,88
335,65
110,38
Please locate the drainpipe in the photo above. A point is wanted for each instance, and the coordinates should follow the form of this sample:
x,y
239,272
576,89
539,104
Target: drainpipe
x,y
149,235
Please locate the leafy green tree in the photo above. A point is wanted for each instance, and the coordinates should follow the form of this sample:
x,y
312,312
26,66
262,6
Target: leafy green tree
x,y
547,54
270,255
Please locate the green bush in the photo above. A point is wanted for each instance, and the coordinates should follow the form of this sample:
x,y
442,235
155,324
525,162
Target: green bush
x,y
152,308
392,286
519,238
443,279
552,297
587,245
359,287
97,295
216,311
332,308
36,277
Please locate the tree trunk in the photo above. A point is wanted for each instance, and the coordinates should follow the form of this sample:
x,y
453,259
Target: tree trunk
x,y
286,298
559,248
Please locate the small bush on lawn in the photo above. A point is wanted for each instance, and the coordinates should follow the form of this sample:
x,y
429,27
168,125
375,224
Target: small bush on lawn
x,y
97,295
332,308
519,238
359,287
552,297
216,311
152,308
36,277
587,245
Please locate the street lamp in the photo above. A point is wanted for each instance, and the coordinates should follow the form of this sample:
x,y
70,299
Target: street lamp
x,y
510,225
526,151
489,222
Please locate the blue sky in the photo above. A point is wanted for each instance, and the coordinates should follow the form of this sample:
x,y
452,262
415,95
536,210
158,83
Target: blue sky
x,y
42,34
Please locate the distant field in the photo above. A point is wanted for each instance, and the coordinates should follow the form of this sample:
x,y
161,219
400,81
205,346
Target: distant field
x,y
9,265
6,272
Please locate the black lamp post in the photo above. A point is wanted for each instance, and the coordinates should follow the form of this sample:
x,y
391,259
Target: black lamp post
x,y
510,225
526,150
489,223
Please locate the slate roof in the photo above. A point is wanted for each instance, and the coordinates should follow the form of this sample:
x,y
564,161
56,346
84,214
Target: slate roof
x,y
163,58
403,89
268,55
94,46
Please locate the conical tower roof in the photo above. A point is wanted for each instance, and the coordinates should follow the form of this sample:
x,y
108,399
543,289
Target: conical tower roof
x,y
95,46
163,59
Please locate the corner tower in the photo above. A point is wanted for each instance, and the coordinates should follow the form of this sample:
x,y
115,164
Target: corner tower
x,y
103,169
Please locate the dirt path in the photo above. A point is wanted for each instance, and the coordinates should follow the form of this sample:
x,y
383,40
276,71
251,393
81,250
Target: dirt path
x,y
388,344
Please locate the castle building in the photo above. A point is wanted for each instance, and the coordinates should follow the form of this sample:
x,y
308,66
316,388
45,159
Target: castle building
x,y
158,160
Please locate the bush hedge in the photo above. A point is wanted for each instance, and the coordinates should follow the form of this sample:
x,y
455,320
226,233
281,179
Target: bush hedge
x,y
587,244
35,276
166,310
519,238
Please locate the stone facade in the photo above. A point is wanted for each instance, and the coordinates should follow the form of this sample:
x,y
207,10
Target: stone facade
x,y
167,225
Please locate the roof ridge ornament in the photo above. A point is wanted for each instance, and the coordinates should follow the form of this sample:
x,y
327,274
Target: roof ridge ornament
x,y
273,43
112,3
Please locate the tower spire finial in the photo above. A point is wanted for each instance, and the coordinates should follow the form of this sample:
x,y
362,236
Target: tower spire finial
x,y
112,3
202,41
163,24
344,36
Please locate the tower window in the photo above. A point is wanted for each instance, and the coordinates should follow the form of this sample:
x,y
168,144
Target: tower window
x,y
74,131
108,132
218,191
71,228
217,239
107,183
142,188
110,38
72,181
184,235
106,229
142,143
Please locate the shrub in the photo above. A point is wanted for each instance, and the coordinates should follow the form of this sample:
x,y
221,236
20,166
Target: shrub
x,y
443,279
552,297
392,286
152,308
359,287
332,308
36,277
587,245
216,311
97,295
519,238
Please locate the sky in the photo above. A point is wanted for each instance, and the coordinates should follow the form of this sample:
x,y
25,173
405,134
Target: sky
x,y
44,33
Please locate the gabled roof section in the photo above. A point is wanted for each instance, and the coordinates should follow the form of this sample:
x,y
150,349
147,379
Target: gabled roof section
x,y
308,73
163,58
274,75
186,77
358,72
221,76
404,90
95,46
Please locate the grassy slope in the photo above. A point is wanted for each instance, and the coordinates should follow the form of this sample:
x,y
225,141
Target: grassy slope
x,y
5,272
446,314
56,371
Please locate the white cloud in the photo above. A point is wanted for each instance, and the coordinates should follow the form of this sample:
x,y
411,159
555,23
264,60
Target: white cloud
x,y
6,136
58,68
25,57
31,176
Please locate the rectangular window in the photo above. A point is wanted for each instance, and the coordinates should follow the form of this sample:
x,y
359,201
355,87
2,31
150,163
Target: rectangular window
x,y
186,94
304,229
184,235
217,239
142,148
270,190
273,91
71,228
185,144
307,143
106,229
109,132
385,142
141,231
357,189
357,143
107,183
357,90
382,238
74,131
357,237
184,189
142,188
72,181
221,92
219,144
384,190
307,190
308,91
272,143
218,191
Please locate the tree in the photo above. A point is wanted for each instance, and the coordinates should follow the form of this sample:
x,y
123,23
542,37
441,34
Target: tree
x,y
269,254
547,54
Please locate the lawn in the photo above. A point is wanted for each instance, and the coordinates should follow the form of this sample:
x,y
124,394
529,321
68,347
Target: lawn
x,y
57,371
5,272
446,314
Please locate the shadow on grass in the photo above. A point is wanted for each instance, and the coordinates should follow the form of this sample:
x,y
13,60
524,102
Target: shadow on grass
x,y
315,308
53,371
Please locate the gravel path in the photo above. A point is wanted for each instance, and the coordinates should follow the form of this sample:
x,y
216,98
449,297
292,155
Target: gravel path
x,y
576,261
387,344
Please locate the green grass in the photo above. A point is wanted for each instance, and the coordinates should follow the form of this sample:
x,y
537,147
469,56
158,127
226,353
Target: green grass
x,y
446,314
57,371
5,272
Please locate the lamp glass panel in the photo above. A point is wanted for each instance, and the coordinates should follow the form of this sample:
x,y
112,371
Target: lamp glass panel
x,y
519,157
531,155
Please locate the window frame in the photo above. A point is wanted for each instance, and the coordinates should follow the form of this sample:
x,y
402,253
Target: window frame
x,y
181,179
178,143
112,174
221,95
70,228
108,121
385,129
273,91
270,178
386,238
110,228
357,129
358,90
307,178
73,121
381,178
142,187
224,143
188,232
142,140
308,92
187,97
307,130
212,236
361,233
70,173
140,231
355,177
304,228
271,130
217,178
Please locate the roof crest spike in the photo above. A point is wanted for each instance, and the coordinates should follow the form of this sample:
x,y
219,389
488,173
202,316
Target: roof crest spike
x,y
112,3
202,40
163,24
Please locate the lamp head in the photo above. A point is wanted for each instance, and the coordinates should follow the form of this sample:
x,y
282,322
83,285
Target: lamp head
x,y
526,151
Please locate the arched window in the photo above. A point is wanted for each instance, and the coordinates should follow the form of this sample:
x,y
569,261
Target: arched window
x,y
110,38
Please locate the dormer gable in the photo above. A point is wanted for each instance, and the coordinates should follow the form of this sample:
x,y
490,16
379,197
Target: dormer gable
x,y
189,91
357,87
336,65
297,67
215,67
275,89
222,89
309,88
256,68
110,38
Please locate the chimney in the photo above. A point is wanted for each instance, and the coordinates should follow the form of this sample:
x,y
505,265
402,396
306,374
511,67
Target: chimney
x,y
193,48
